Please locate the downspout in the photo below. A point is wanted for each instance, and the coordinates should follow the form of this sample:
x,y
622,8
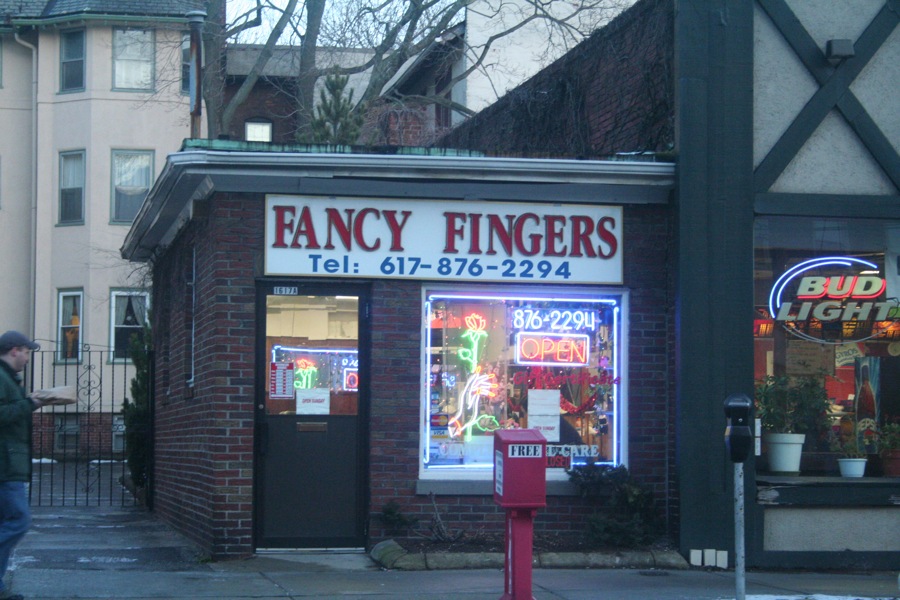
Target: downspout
x,y
32,267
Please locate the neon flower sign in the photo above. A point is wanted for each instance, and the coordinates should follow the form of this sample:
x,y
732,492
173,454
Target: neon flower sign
x,y
834,296
476,325
305,374
477,386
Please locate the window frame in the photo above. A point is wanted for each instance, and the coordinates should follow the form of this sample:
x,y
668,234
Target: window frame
x,y
484,472
149,61
63,156
61,329
114,207
65,61
114,296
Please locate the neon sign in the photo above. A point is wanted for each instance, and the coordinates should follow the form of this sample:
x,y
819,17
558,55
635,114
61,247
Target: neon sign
x,y
835,296
552,349
476,325
305,374
351,380
477,386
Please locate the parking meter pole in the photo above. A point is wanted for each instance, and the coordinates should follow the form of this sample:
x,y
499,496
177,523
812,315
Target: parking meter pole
x,y
519,546
739,565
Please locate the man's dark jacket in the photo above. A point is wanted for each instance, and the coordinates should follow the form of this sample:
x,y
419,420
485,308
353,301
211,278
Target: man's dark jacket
x,y
15,427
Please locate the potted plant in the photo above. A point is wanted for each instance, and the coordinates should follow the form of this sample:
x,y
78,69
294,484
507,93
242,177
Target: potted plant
x,y
889,448
789,408
853,458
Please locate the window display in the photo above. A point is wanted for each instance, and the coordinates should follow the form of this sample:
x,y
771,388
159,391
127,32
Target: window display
x,y
828,315
550,361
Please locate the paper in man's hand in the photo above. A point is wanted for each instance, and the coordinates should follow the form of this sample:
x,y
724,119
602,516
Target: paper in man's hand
x,y
61,394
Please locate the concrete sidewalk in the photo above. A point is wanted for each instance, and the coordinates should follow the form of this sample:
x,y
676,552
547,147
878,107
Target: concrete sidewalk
x,y
127,553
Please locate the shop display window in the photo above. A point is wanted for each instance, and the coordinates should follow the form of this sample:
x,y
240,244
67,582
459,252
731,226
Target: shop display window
x,y
550,361
827,325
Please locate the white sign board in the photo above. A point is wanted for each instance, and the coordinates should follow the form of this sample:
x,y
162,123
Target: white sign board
x,y
418,239
315,401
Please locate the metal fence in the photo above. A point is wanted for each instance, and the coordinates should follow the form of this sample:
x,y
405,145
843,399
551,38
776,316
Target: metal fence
x,y
79,449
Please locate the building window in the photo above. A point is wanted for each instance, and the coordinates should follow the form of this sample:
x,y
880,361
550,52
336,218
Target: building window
x,y
133,59
258,130
131,174
129,315
548,360
69,325
826,338
72,61
68,430
186,63
71,187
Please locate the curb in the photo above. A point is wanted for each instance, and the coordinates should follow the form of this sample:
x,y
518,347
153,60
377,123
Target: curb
x,y
391,555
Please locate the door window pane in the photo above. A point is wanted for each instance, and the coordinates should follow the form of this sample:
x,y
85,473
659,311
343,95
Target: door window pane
x,y
312,355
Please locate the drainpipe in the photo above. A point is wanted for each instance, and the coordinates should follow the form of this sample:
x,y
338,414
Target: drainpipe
x,y
32,259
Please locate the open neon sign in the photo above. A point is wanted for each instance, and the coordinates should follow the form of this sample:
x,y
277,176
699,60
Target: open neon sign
x,y
535,348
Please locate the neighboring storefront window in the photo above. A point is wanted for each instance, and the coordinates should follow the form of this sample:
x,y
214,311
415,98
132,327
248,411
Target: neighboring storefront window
x,y
549,360
828,325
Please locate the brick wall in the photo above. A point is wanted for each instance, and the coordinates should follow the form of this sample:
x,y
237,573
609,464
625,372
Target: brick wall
x,y
203,480
612,93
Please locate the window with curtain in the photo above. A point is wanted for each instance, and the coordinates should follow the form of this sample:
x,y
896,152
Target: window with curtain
x,y
129,314
133,59
69,326
71,187
131,181
71,67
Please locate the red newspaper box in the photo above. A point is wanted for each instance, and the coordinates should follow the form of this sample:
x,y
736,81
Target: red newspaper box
x,y
520,468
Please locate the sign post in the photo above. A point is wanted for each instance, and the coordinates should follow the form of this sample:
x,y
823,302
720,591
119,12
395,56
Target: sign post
x,y
520,486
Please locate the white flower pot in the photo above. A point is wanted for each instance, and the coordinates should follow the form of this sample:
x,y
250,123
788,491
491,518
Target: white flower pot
x,y
852,467
784,450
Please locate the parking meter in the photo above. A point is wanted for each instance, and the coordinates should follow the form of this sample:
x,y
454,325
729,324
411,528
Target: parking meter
x,y
738,436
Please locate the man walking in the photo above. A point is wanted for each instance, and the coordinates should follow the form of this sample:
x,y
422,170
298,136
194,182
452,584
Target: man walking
x,y
15,447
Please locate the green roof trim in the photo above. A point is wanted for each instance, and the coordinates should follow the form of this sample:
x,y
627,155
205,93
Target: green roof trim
x,y
241,146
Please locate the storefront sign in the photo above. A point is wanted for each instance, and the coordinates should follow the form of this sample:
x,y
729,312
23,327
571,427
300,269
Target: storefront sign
x,y
484,241
552,349
832,291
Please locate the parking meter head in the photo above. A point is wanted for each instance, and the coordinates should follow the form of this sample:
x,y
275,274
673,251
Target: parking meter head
x,y
738,436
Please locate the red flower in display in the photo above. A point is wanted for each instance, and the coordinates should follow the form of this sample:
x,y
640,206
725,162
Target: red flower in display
x,y
476,322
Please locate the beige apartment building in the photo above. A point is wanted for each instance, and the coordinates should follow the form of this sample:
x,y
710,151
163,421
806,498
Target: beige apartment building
x,y
92,99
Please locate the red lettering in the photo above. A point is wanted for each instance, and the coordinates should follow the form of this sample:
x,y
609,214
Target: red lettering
x,y
581,236
503,234
452,231
335,223
396,228
535,238
607,237
282,225
358,230
554,225
306,229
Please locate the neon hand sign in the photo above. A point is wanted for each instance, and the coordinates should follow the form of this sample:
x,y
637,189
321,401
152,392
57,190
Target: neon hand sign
x,y
478,385
305,374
